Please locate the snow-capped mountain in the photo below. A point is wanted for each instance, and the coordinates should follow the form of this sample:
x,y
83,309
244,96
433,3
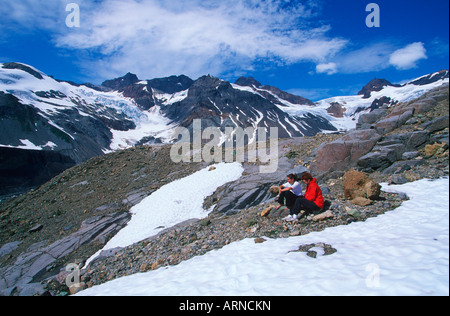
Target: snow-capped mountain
x,y
343,111
219,103
39,112
76,122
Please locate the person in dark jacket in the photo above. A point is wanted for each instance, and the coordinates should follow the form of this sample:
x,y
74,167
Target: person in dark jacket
x,y
313,200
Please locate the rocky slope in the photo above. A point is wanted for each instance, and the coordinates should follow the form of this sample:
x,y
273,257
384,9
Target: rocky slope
x,y
78,211
71,217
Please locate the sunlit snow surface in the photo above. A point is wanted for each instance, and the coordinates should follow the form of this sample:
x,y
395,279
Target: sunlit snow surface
x,y
174,203
404,252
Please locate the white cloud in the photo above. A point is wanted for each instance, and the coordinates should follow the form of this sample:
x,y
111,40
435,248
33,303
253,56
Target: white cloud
x,y
26,15
408,57
330,68
372,57
156,38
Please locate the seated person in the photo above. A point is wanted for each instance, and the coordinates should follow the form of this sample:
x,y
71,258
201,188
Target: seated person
x,y
289,191
313,200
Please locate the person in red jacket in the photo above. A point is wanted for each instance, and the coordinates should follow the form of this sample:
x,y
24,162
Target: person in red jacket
x,y
312,201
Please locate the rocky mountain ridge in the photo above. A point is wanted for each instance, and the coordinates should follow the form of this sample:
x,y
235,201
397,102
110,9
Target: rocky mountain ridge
x,y
77,122
71,217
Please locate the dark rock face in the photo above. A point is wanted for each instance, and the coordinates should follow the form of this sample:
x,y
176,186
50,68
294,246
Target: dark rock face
x,y
336,109
171,84
443,74
248,82
381,103
268,91
343,153
24,169
122,82
21,170
36,264
128,85
142,91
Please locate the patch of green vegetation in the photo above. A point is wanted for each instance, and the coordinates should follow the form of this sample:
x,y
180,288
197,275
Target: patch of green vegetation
x,y
292,154
60,134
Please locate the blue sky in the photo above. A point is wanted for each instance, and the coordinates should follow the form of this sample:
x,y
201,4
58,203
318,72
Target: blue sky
x,y
314,48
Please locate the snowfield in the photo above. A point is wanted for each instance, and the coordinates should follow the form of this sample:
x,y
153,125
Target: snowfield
x,y
172,204
404,252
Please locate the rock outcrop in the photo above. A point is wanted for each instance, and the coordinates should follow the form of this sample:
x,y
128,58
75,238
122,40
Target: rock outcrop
x,y
38,262
388,136
360,188
345,152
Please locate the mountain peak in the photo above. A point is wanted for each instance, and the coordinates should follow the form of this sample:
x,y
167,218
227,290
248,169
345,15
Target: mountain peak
x,y
23,67
375,85
248,82
122,82
208,81
171,84
269,92
431,78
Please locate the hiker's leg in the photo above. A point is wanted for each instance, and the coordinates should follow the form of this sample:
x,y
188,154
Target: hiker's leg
x,y
298,206
310,207
290,199
281,198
